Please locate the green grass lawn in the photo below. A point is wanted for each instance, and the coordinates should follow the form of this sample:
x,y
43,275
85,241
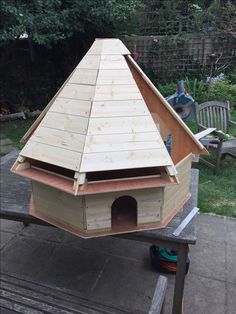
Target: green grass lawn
x,y
217,194
14,130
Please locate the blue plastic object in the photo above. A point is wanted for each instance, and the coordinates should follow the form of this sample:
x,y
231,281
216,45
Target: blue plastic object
x,y
182,102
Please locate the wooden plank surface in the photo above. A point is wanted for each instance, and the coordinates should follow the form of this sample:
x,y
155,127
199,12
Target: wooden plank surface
x,y
84,76
119,77
119,108
183,141
75,91
16,207
53,155
59,138
117,92
69,123
174,194
89,62
120,142
74,107
119,125
21,295
59,205
112,62
124,160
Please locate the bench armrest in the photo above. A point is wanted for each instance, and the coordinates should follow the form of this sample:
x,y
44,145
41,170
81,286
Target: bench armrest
x,y
232,123
204,133
159,295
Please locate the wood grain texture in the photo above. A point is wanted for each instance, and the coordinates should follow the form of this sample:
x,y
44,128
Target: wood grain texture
x,y
69,123
119,108
98,207
84,76
173,195
121,125
108,46
124,160
183,141
75,91
112,62
117,92
53,155
115,77
121,142
59,205
59,138
91,62
74,107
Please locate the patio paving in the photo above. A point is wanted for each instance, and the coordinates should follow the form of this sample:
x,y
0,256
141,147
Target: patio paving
x,y
118,272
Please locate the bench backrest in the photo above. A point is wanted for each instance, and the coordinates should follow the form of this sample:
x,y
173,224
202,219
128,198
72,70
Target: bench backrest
x,y
213,114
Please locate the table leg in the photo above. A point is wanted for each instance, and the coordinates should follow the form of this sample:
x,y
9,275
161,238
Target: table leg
x,y
179,279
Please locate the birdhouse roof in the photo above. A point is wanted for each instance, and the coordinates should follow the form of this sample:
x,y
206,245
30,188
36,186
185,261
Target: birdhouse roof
x,y
99,120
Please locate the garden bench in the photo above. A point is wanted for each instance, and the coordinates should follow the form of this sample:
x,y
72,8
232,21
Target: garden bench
x,y
216,114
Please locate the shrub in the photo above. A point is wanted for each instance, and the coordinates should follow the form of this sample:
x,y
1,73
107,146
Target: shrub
x,y
223,91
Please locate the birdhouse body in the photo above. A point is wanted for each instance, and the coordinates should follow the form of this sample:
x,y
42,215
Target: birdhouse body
x,y
97,155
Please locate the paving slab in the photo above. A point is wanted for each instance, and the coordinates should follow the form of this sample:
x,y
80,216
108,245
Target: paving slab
x,y
124,248
204,295
208,259
130,282
73,268
211,228
11,226
26,257
231,298
44,233
231,264
6,237
231,231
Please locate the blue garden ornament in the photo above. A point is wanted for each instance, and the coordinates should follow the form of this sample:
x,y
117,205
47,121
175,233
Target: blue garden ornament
x,y
182,102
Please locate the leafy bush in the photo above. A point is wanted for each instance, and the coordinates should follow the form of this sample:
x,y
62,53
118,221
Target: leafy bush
x,y
167,89
231,76
197,89
223,91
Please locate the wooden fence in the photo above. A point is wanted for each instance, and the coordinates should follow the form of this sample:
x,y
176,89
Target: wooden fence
x,y
175,56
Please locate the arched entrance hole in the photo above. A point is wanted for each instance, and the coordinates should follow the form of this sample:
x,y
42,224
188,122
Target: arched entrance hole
x,y
124,213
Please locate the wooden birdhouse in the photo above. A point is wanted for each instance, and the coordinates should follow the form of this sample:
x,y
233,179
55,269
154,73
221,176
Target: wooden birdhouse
x,y
108,154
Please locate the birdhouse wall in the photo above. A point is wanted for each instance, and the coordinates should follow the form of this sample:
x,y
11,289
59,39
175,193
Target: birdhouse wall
x,y
99,206
175,195
59,205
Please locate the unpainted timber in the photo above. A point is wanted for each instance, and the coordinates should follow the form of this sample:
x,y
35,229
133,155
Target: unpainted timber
x,y
183,141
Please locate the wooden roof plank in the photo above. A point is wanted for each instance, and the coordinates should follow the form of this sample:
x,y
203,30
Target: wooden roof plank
x,y
118,125
69,123
115,77
74,107
89,62
118,108
84,76
75,91
124,160
121,142
59,138
53,155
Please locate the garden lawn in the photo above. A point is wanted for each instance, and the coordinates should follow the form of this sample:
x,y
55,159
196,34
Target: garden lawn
x,y
217,194
14,130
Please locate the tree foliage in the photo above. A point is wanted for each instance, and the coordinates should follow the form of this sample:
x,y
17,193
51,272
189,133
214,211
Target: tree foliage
x,y
49,21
